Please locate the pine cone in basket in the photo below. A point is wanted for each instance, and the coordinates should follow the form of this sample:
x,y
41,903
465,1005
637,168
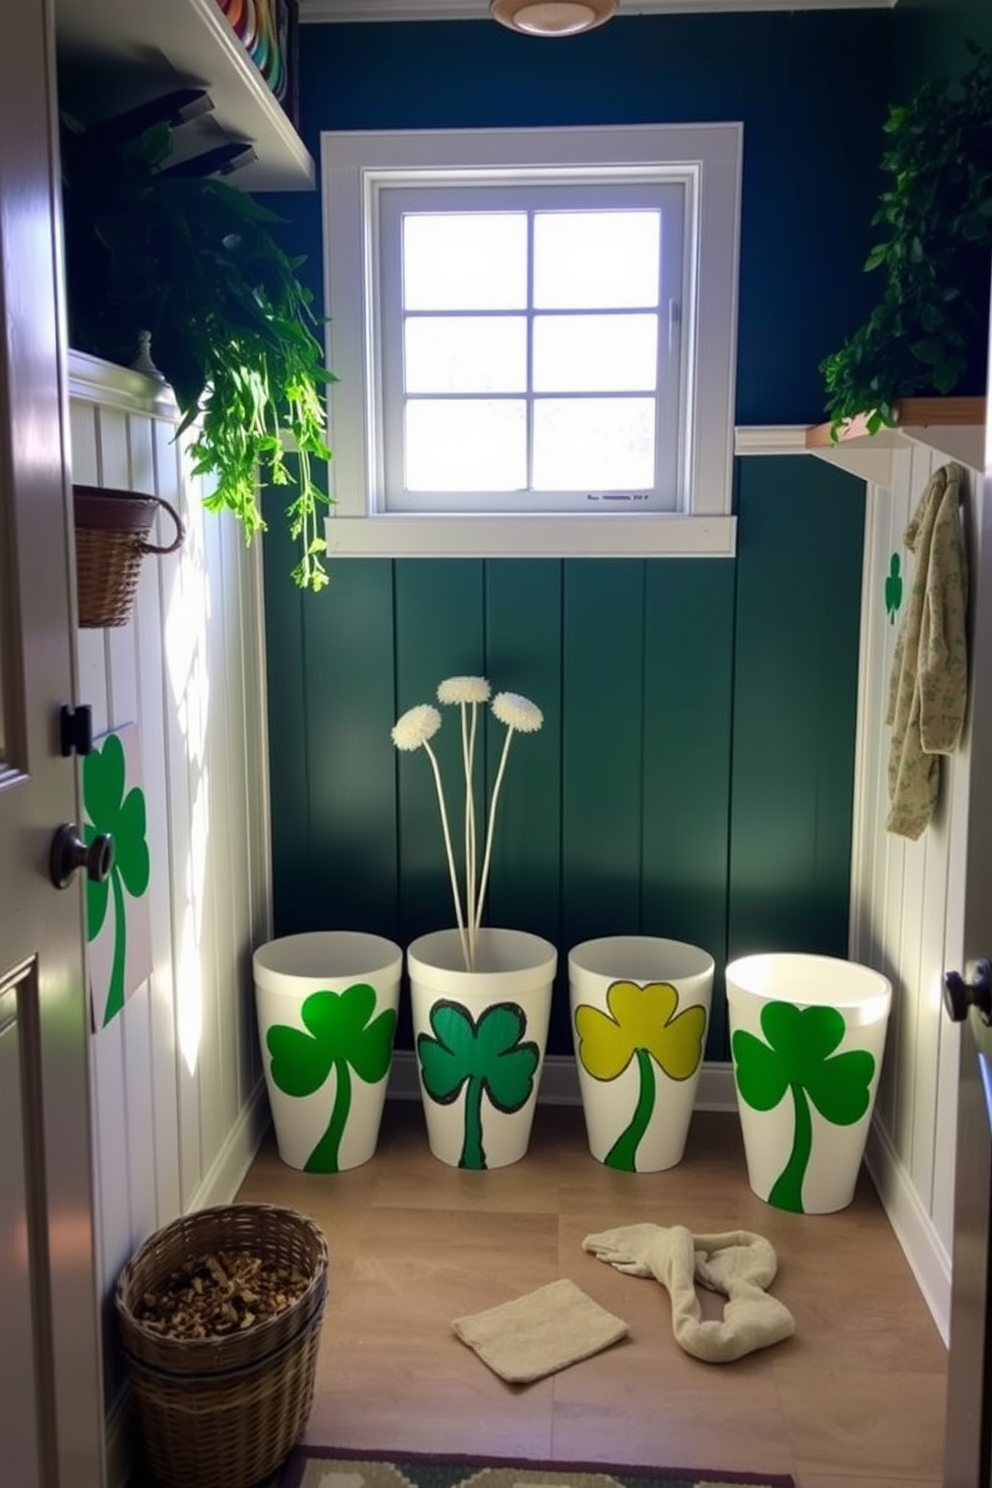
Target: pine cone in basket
x,y
220,1293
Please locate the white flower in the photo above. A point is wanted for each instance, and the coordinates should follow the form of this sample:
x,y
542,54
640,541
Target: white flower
x,y
416,726
517,712
463,690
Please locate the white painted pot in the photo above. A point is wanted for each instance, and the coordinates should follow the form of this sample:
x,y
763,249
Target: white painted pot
x,y
807,1035
326,1004
640,1010
480,1038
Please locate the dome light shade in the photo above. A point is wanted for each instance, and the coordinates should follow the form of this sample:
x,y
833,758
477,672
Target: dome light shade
x,y
552,17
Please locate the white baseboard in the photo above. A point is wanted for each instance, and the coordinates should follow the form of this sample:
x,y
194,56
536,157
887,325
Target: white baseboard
x,y
560,1082
912,1225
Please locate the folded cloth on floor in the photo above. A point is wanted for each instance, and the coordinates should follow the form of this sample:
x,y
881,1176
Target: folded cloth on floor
x,y
737,1264
541,1332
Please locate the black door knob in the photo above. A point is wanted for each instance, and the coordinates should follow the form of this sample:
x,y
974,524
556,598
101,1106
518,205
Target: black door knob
x,y
960,995
70,852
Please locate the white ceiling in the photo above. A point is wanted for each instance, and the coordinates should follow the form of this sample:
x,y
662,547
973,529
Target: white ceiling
x,y
453,10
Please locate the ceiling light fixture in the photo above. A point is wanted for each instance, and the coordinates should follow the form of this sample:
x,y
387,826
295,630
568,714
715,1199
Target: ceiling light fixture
x,y
552,17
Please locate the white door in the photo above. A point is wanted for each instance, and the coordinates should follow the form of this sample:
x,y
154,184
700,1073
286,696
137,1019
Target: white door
x,y
969,1000
51,1419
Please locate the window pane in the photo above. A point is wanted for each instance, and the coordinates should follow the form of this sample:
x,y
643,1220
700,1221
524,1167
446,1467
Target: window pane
x,y
467,354
595,353
595,444
465,261
477,445
596,259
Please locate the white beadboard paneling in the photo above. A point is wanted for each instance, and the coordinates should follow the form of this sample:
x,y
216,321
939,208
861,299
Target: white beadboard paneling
x,y
178,1104
907,906
186,689
110,1142
161,1011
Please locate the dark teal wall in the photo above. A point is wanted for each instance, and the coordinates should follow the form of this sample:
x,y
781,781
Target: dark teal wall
x,y
808,88
694,775
931,40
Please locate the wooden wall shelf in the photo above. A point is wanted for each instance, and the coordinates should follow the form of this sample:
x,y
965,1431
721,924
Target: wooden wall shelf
x,y
954,427
116,54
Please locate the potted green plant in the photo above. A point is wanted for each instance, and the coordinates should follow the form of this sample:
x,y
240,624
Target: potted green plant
x,y
192,260
928,332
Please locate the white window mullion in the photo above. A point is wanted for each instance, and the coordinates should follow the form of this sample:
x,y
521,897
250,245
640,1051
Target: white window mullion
x,y
530,348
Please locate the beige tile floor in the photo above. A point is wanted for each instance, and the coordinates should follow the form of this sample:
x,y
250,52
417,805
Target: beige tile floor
x,y
854,1400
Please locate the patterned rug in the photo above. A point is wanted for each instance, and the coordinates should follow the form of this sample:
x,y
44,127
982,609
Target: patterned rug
x,y
323,1467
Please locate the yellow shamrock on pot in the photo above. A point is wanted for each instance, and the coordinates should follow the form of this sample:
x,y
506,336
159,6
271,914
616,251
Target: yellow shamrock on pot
x,y
642,1024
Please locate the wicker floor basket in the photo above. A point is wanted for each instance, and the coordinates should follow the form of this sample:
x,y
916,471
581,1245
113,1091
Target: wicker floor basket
x,y
111,540
224,1411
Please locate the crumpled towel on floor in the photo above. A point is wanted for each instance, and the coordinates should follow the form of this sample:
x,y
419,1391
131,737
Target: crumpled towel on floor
x,y
737,1264
537,1334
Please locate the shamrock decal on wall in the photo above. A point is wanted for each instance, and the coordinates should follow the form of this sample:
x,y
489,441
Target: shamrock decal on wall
x,y
642,1024
893,589
109,808
799,1059
340,1035
487,1057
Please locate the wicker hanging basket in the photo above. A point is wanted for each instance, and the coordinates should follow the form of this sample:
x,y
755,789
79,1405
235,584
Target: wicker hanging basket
x,y
224,1410
111,540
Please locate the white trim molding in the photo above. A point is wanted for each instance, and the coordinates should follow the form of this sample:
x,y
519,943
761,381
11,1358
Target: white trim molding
x,y
770,439
914,1229
669,535
92,380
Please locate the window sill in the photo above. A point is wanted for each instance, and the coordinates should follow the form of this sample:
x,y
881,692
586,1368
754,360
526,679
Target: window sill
x,y
512,536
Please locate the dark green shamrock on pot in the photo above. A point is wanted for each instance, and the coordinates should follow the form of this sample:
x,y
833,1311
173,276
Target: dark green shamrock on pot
x,y
799,1060
109,809
488,1057
339,1034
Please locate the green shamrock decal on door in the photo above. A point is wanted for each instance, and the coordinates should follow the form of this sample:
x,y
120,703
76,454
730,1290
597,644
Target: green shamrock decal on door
x,y
110,809
488,1057
340,1035
799,1059
642,1024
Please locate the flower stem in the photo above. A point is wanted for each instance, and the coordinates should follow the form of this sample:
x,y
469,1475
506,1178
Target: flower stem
x,y
468,757
451,858
490,827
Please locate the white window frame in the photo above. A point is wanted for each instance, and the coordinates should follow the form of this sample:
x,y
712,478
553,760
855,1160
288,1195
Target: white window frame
x,y
353,164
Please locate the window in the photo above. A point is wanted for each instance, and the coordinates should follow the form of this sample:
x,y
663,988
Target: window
x,y
534,332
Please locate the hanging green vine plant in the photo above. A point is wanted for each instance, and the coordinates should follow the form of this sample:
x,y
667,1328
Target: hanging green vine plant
x,y
192,260
928,333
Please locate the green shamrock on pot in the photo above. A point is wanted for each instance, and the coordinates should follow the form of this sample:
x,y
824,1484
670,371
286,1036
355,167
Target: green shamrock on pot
x,y
486,1056
642,1024
340,1035
109,809
799,1058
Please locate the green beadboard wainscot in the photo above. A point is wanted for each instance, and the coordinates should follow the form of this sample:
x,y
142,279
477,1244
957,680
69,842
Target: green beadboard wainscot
x,y
694,775
795,702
